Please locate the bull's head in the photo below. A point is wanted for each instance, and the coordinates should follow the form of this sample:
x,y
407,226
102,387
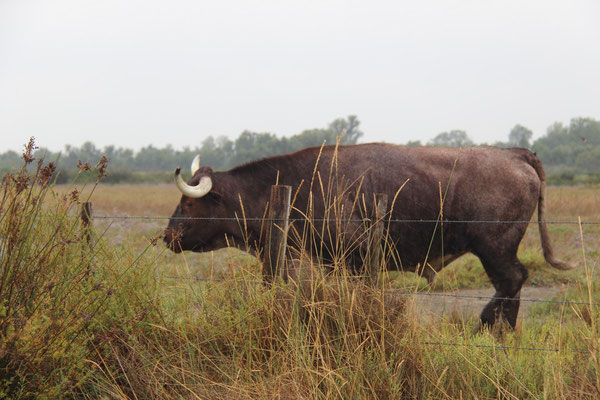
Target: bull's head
x,y
195,224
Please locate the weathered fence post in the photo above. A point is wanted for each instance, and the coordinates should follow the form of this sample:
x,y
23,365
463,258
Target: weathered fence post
x,y
276,237
374,257
86,220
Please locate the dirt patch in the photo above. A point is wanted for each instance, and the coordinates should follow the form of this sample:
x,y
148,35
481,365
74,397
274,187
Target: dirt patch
x,y
438,303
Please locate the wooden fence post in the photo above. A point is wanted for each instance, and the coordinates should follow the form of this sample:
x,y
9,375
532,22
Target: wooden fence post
x,y
86,220
276,237
374,257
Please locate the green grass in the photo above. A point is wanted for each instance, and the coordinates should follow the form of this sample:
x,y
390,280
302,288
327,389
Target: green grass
x,y
468,273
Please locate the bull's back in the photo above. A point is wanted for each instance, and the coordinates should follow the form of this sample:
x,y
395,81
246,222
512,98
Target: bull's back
x,y
472,180
471,184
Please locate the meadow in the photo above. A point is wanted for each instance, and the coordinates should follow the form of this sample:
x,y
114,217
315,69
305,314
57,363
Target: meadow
x,y
127,319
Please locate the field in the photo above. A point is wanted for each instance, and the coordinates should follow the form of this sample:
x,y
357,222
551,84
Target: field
x,y
123,320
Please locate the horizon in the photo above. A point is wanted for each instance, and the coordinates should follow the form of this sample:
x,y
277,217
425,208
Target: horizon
x,y
199,145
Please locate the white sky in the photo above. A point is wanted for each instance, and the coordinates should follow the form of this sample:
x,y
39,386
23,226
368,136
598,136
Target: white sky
x,y
139,72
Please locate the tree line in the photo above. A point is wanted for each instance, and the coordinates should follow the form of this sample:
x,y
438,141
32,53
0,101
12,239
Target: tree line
x,y
570,153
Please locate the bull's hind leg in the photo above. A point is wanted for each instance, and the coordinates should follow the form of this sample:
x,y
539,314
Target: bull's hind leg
x,y
507,275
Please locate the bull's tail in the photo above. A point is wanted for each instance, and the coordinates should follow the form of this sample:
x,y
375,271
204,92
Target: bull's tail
x,y
545,237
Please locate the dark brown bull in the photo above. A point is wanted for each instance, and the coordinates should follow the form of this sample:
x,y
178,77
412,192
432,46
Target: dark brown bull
x,y
476,184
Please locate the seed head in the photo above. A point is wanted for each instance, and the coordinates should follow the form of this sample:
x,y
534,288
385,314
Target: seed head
x,y
29,149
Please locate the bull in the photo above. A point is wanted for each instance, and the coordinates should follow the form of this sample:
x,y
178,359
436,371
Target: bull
x,y
438,195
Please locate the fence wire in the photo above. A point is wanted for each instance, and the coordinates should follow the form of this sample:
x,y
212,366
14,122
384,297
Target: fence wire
x,y
500,347
385,220
414,293
473,297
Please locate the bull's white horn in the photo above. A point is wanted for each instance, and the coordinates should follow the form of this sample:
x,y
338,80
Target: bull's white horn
x,y
195,164
200,190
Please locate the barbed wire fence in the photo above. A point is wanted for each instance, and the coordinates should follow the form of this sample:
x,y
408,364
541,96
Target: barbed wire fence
x,y
417,293
259,219
266,219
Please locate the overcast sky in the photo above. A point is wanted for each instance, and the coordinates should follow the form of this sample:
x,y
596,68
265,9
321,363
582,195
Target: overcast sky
x,y
138,72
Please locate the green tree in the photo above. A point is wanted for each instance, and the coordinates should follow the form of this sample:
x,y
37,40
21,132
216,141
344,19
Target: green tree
x,y
150,158
585,131
219,153
570,147
589,160
10,159
454,138
520,136
311,137
347,128
251,145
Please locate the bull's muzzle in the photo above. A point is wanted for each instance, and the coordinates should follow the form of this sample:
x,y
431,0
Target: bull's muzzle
x,y
172,238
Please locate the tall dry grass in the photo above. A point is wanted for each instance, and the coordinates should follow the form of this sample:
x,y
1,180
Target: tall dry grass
x,y
58,295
